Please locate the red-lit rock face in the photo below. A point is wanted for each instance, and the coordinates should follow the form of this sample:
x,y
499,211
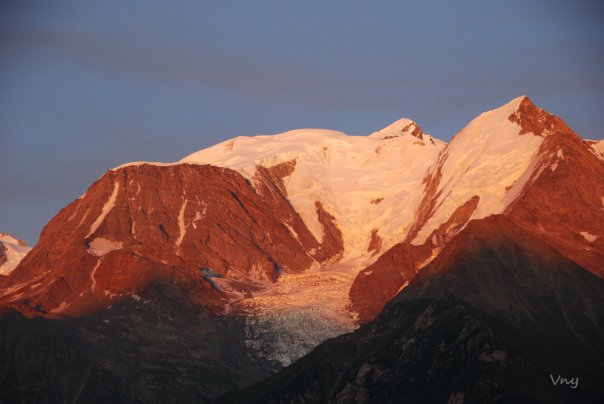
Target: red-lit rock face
x,y
269,182
377,284
375,244
563,202
2,254
533,119
428,203
414,130
143,223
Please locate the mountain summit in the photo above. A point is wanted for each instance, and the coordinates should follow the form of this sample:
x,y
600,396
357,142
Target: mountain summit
x,y
401,127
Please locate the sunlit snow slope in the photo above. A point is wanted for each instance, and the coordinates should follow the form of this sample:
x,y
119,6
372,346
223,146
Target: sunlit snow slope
x,y
488,158
371,185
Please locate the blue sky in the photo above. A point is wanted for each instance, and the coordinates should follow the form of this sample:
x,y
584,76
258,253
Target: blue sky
x,y
86,86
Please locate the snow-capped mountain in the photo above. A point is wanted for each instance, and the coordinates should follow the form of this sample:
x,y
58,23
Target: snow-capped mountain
x,y
369,184
517,160
283,241
12,251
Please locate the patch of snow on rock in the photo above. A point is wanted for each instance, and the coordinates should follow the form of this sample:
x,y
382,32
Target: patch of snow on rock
x,y
589,237
182,228
62,307
106,209
101,246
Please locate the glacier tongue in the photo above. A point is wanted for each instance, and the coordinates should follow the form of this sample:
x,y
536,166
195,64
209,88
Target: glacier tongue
x,y
289,318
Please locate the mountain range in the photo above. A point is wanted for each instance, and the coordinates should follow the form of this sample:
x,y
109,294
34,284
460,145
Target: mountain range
x,y
314,266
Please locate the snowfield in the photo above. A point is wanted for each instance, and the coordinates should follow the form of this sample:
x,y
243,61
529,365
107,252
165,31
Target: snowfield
x,y
365,182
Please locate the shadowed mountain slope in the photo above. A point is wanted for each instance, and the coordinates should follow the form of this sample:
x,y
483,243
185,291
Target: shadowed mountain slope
x,y
487,321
